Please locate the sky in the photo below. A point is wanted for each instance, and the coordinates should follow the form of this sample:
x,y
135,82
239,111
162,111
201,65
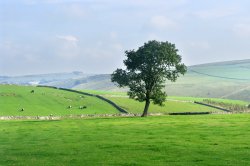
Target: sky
x,y
50,36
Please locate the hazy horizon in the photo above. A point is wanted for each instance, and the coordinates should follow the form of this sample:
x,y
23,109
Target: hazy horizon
x,y
54,36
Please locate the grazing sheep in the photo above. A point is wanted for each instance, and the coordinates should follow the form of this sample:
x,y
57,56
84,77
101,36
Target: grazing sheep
x,y
82,107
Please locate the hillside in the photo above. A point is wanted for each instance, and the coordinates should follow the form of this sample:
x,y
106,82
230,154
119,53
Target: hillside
x,y
47,101
220,80
41,79
229,80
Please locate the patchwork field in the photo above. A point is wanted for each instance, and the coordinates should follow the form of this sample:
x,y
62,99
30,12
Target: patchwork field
x,y
166,140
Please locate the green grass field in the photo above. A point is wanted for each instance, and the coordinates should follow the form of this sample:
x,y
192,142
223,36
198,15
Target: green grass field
x,y
178,98
170,106
166,140
229,101
46,101
173,103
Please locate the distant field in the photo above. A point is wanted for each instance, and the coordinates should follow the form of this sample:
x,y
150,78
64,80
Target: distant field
x,y
213,99
47,101
105,93
229,80
178,98
226,80
167,140
170,106
173,103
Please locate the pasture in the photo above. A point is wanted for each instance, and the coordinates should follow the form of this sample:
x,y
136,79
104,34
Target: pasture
x,y
47,101
169,106
166,140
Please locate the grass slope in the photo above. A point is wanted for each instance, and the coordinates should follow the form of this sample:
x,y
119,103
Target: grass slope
x,y
230,80
169,106
168,140
173,103
178,98
46,101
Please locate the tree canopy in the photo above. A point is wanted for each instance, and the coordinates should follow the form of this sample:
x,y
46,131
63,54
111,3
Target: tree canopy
x,y
147,70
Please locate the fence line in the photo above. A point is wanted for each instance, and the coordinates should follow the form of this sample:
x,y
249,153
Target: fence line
x,y
88,94
212,106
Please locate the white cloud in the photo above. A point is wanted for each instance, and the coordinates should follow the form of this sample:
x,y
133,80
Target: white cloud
x,y
67,46
162,22
69,38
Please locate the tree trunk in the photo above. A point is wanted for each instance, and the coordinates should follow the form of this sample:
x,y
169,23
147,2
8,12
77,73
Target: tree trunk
x,y
145,112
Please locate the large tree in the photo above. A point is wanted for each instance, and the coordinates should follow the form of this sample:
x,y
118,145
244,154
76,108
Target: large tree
x,y
147,70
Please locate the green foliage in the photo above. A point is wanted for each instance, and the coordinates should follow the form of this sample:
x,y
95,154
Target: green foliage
x,y
147,69
167,140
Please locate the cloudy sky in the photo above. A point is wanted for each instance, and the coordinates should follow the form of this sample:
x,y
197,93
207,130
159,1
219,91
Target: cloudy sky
x,y
48,36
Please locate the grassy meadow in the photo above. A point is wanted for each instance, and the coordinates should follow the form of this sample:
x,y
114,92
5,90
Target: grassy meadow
x,y
47,101
169,106
173,103
166,140
162,140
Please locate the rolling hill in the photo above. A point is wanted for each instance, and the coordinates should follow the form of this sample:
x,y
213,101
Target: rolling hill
x,y
19,101
220,80
230,80
41,79
47,101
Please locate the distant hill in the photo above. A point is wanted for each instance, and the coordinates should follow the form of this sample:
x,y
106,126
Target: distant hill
x,y
41,79
92,82
230,79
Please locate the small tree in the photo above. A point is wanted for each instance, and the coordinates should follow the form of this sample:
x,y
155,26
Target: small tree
x,y
147,70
